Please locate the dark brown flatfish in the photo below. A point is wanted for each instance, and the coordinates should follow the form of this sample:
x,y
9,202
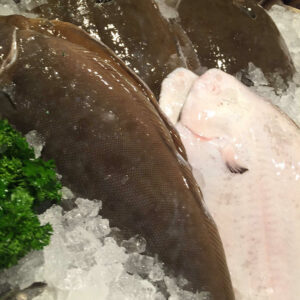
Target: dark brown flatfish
x,y
134,30
228,34
110,142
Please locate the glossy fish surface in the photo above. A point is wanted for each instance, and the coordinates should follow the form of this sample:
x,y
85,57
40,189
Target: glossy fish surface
x,y
102,126
134,30
245,155
228,34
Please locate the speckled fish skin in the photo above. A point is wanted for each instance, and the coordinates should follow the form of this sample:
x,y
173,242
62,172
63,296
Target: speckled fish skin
x,y
245,156
110,142
228,34
134,30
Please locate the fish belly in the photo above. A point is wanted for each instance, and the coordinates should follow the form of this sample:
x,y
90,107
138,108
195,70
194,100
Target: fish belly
x,y
257,211
258,217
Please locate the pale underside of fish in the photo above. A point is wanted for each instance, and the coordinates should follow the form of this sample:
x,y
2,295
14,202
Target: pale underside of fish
x,y
245,155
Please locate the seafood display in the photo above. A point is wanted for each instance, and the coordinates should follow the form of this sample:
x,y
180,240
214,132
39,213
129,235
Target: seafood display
x,y
102,126
154,46
245,155
174,130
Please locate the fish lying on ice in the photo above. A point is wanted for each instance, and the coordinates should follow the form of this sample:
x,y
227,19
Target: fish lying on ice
x,y
134,30
228,34
245,155
103,127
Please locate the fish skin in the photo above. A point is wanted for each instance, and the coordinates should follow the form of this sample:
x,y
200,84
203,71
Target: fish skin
x,y
293,3
257,212
111,142
134,30
249,36
269,3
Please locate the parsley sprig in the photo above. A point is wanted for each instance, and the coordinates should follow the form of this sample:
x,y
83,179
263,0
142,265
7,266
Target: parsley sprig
x,y
25,182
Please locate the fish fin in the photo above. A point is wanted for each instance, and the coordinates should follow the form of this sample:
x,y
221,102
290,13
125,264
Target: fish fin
x,y
236,169
174,91
231,160
228,152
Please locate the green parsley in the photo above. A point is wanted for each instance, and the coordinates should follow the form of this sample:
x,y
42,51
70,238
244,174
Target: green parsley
x,y
25,182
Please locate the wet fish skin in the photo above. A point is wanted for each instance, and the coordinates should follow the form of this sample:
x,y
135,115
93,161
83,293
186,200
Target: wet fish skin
x,y
228,34
269,3
293,3
110,142
225,127
134,30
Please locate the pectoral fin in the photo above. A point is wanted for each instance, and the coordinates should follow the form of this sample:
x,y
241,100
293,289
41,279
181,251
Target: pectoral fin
x,y
227,150
231,160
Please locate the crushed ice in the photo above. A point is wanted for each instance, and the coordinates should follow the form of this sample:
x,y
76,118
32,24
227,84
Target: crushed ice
x,y
22,7
287,99
84,262
287,21
36,141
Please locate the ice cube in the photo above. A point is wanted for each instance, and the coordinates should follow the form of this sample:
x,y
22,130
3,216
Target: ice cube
x,y
178,294
52,216
135,244
36,141
8,7
26,272
288,23
98,226
111,253
67,193
256,75
139,264
132,288
88,208
157,273
31,4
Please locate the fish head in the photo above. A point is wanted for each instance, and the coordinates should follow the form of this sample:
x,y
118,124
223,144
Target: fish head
x,y
215,105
